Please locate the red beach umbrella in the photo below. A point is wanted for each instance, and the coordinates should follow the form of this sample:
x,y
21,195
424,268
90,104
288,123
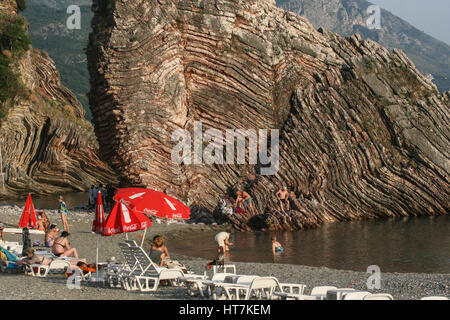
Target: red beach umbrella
x,y
124,219
28,218
153,202
98,226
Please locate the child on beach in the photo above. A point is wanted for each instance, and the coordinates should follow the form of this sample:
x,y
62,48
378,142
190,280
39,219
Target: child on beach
x,y
62,210
276,246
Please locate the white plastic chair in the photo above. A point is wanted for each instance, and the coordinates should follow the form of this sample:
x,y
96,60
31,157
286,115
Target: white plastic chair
x,y
378,296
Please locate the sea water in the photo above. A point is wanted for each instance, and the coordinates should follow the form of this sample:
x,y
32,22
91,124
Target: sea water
x,y
414,244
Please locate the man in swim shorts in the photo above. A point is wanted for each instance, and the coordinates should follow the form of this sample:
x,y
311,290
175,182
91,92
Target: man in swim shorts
x,y
244,198
223,241
283,198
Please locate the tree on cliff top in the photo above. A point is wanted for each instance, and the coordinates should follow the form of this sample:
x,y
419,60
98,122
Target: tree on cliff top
x,y
21,5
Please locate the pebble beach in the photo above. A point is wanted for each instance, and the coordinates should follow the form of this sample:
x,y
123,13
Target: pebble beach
x,y
402,286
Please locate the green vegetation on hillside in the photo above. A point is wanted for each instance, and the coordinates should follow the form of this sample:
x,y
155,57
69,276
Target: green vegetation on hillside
x,y
14,42
66,47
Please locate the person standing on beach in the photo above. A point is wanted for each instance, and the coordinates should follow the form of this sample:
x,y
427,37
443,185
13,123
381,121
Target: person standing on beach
x,y
223,241
2,227
283,198
62,210
243,197
91,197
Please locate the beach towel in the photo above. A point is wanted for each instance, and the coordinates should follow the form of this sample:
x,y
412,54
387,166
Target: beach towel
x,y
8,256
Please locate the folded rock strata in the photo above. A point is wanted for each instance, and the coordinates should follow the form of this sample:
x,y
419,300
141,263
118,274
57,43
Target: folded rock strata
x,y
46,145
362,133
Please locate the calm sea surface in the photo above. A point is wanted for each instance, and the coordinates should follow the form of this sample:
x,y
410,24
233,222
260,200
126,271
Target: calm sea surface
x,y
72,199
416,244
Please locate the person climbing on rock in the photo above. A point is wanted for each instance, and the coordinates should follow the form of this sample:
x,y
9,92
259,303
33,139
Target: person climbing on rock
x,y
243,197
283,198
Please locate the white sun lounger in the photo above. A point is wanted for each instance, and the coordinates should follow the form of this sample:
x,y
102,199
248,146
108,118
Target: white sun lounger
x,y
202,286
146,276
378,296
321,292
38,270
357,295
259,287
434,298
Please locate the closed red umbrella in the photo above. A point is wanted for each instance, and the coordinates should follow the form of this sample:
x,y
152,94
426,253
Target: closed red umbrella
x,y
125,219
28,218
98,226
153,202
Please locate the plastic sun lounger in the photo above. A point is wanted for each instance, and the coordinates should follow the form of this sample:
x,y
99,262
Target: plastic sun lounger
x,y
38,270
357,295
260,287
378,296
203,285
148,272
321,292
434,298
140,270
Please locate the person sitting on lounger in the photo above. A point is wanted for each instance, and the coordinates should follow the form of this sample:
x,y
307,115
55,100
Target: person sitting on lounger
x,y
33,258
159,252
61,246
51,235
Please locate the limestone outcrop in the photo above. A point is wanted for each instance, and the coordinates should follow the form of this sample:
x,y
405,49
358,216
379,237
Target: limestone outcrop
x,y
46,145
362,133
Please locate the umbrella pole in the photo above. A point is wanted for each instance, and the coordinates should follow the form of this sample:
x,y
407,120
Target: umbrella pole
x,y
143,237
96,262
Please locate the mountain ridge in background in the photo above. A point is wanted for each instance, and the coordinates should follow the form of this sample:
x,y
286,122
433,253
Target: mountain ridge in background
x,y
346,17
66,47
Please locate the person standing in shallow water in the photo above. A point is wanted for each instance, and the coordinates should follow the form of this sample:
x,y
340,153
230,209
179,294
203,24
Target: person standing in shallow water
x,y
62,210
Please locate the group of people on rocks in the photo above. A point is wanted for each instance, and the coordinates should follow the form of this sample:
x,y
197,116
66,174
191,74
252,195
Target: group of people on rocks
x,y
243,198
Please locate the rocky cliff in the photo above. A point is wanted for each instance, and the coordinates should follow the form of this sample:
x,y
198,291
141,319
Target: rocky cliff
x,y
362,134
46,145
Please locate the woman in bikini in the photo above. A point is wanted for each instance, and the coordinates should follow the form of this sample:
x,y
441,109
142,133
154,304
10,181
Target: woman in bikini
x,y
159,252
51,235
42,221
61,247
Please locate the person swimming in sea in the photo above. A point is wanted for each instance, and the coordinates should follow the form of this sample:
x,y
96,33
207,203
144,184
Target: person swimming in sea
x,y
276,246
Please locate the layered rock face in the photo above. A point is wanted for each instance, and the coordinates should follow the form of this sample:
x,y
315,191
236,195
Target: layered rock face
x,y
362,134
46,145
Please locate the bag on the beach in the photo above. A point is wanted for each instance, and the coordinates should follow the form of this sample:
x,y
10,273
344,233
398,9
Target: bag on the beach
x,y
173,264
